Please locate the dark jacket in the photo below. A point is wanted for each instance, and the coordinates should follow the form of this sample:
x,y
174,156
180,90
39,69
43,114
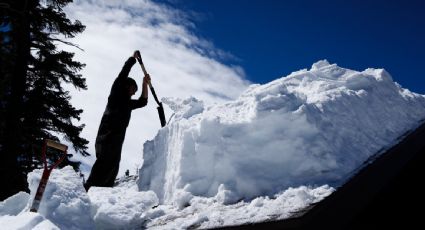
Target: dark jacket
x,y
118,110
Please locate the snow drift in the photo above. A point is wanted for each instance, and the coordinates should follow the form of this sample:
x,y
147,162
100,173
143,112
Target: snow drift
x,y
312,127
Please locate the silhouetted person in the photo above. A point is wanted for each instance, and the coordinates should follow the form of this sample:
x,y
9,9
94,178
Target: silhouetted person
x,y
116,117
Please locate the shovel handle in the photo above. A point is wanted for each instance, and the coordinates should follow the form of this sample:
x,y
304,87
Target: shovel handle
x,y
146,73
139,59
160,108
150,84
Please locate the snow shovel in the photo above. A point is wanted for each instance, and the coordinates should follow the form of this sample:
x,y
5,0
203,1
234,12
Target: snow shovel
x,y
160,108
47,170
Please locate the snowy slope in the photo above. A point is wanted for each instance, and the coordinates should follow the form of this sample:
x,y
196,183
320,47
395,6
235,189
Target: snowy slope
x,y
65,205
312,127
276,149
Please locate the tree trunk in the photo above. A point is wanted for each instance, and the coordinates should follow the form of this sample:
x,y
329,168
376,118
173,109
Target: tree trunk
x,y
14,180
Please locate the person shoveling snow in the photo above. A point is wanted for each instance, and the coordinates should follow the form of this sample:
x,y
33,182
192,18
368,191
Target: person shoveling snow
x,y
116,117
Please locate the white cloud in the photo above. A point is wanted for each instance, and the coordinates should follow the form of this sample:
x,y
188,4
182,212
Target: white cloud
x,y
180,63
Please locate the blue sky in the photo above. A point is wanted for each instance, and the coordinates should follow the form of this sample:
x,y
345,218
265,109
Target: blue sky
x,y
272,38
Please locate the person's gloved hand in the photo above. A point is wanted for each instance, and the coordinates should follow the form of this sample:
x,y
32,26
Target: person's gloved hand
x,y
136,54
147,79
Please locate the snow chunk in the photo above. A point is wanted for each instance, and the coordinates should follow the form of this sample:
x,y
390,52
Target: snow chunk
x,y
27,220
297,130
14,204
225,196
320,64
183,198
120,207
65,202
184,108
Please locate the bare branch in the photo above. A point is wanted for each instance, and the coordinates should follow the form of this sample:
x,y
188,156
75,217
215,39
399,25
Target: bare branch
x,y
67,43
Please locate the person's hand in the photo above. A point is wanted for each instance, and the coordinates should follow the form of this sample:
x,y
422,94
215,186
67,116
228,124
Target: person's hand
x,y
136,54
147,79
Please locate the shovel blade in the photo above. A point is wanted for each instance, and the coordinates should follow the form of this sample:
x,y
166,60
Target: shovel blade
x,y
161,115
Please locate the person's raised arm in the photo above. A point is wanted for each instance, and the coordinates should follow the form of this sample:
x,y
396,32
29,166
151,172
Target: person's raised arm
x,y
128,64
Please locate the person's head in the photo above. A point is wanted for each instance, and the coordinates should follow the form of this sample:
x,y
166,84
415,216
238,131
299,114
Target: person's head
x,y
131,86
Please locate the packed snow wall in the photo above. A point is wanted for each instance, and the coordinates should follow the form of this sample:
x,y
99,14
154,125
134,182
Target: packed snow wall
x,y
312,127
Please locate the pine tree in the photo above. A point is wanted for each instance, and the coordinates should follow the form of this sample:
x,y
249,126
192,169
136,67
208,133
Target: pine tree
x,y
36,106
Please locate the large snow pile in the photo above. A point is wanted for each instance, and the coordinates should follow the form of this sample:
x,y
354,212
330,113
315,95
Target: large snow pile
x,y
312,127
277,149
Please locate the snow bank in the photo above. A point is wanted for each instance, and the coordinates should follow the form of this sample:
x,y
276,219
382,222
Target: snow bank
x,y
312,127
65,204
